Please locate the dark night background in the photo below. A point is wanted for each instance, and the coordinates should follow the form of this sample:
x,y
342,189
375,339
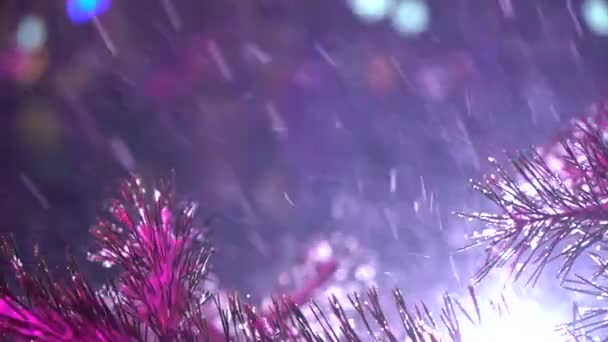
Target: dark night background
x,y
285,119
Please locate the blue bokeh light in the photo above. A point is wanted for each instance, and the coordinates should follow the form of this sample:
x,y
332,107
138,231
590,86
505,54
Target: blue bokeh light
x,y
595,15
371,10
81,11
411,17
31,33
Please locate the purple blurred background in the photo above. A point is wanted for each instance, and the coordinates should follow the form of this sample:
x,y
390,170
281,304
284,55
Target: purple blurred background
x,y
289,121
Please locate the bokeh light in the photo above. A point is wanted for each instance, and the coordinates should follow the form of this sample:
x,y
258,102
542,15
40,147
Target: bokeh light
x,y
411,17
39,125
371,10
81,11
381,75
31,33
28,68
595,15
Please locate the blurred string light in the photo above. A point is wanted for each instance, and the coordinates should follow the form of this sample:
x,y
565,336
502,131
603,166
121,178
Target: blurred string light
x,y
81,11
595,15
411,17
31,33
371,11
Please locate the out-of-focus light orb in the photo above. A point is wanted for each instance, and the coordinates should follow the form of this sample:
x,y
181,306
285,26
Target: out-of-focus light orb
x,y
381,75
595,15
31,33
28,68
322,252
371,10
40,126
81,11
411,17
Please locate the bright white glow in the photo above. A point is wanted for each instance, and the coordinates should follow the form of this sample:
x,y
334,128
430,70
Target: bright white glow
x,y
527,325
371,10
411,17
365,272
524,320
322,252
595,15
555,164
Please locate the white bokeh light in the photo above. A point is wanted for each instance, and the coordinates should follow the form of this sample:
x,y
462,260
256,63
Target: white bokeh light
x,y
411,17
322,252
595,15
371,10
31,33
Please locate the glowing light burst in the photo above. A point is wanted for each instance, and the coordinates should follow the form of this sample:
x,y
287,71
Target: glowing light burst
x,y
528,324
595,15
81,11
518,315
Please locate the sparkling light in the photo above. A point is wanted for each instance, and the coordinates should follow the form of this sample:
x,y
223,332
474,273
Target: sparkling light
x,y
411,17
528,324
515,315
595,15
322,252
81,11
31,33
371,10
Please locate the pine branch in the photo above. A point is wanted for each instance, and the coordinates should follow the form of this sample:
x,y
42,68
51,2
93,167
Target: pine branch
x,y
158,296
59,311
416,324
554,208
161,261
547,214
590,320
